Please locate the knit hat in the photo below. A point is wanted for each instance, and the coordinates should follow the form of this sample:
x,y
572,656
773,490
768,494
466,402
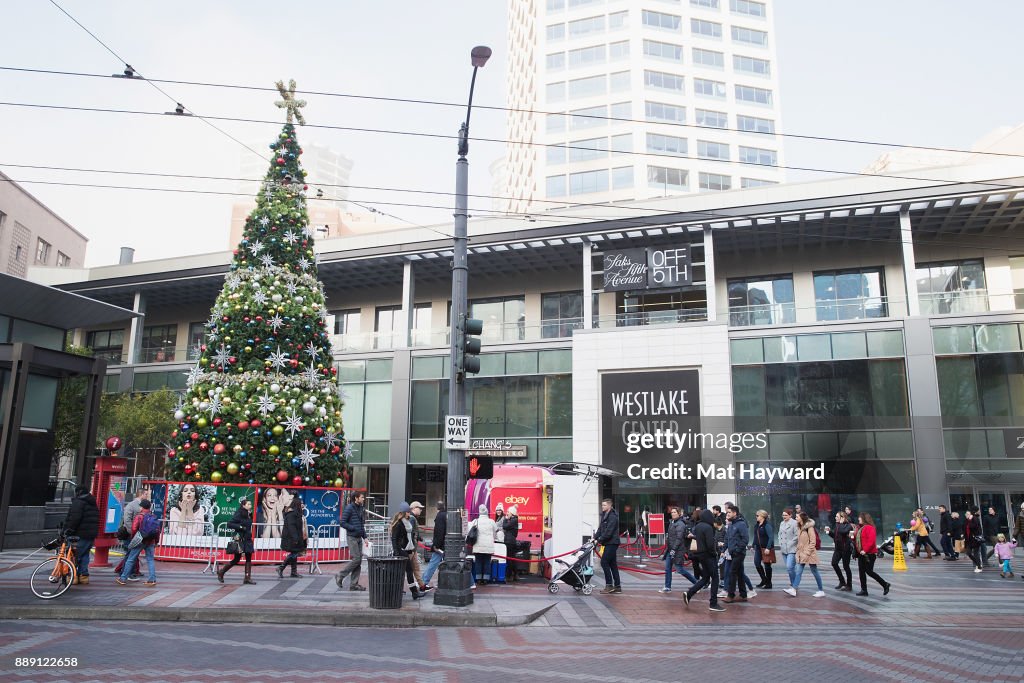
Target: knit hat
x,y
404,507
483,510
499,506
513,510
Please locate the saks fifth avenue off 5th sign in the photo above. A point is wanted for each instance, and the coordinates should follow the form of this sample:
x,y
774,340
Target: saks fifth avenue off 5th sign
x,y
651,268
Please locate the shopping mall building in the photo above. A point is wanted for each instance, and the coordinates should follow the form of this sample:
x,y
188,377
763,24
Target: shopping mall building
x,y
872,325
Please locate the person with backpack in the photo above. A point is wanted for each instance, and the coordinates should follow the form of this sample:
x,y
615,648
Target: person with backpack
x,y
241,523
807,545
702,548
145,533
83,520
294,538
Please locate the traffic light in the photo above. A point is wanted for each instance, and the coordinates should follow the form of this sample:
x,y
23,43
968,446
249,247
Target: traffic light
x,y
479,468
469,349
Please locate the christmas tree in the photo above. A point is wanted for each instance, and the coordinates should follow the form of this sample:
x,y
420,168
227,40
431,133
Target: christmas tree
x,y
262,404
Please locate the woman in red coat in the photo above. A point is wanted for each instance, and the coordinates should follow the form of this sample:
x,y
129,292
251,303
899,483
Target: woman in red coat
x,y
867,551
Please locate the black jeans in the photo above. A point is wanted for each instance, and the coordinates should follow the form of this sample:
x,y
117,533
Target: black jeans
x,y
763,570
736,576
947,545
866,568
974,552
708,575
610,565
842,556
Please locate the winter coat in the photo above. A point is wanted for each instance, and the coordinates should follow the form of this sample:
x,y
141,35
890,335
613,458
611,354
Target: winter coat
x,y
704,534
957,528
1018,527
83,518
352,520
945,523
499,528
919,527
292,538
1004,551
973,532
805,550
990,525
787,536
676,539
137,527
762,537
241,524
866,540
131,508
608,530
511,526
399,539
841,535
484,535
440,529
737,536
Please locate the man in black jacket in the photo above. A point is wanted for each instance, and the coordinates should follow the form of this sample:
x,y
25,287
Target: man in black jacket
x,y
675,549
352,523
737,538
608,536
83,520
702,540
946,533
437,551
990,529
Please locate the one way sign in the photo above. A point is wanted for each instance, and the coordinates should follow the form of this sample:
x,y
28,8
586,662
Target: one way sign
x,y
456,432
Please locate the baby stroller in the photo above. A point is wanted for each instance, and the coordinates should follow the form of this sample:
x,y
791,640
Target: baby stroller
x,y
889,544
577,574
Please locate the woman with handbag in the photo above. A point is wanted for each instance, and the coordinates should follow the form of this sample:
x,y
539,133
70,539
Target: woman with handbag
x,y
764,548
842,550
974,538
865,545
482,546
403,545
241,524
294,538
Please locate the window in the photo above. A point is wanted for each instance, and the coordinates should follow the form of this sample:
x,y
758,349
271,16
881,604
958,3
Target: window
x,y
17,253
755,182
749,35
583,27
622,143
752,124
556,32
196,339
555,5
422,315
504,318
667,178
756,155
712,150
42,251
560,314
588,118
619,50
714,181
622,110
619,81
708,29
711,4
666,144
587,56
622,178
347,325
587,150
746,93
951,287
3,222
554,186
764,300
388,325
752,65
555,155
554,123
754,9
669,22
710,58
158,342
702,86
662,81
556,61
590,181
587,87
850,294
667,51
106,344
581,3
669,113
1017,280
712,119
63,260
555,92
617,20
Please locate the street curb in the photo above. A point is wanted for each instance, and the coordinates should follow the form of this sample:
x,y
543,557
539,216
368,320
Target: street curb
x,y
378,618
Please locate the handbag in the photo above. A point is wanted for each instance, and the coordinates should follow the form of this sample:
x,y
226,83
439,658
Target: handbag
x,y
958,545
768,556
693,545
472,536
233,547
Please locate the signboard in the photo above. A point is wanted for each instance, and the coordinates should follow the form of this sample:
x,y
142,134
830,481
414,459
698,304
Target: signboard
x,y
655,524
651,268
115,505
1013,443
456,432
495,448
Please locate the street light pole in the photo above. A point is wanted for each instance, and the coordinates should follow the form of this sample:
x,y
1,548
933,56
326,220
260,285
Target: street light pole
x,y
453,580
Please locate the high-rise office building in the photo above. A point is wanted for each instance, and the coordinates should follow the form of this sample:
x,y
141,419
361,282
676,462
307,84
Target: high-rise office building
x,y
614,100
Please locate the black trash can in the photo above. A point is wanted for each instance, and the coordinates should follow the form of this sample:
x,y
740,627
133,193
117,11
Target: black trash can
x,y
386,577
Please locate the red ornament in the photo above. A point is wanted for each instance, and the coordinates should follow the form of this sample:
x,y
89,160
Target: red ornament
x,y
296,480
204,446
218,449
282,476
194,436
255,424
223,464
217,421
319,431
171,454
294,362
336,450
187,446
188,469
280,161
243,425
113,444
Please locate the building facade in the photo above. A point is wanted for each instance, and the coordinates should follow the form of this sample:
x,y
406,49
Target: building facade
x,y
612,100
33,235
872,327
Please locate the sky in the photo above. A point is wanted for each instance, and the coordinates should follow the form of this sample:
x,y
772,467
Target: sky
x,y
935,73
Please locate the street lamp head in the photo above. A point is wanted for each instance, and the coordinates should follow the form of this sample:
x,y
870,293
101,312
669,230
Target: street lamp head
x,y
480,55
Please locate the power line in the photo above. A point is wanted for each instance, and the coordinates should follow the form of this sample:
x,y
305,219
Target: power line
x,y
614,119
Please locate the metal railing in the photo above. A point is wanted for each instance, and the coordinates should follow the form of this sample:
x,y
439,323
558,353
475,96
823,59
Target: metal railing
x,y
961,301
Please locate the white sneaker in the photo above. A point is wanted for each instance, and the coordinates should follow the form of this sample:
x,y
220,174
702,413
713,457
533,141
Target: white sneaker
x,y
790,591
664,590
819,594
751,593
977,570
723,594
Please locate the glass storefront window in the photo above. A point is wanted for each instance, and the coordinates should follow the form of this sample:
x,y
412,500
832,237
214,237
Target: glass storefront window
x,y
558,360
952,287
761,300
561,313
158,343
504,318
106,344
850,294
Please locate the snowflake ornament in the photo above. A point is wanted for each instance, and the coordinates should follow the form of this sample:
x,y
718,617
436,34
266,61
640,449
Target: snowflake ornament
x,y
293,423
278,360
265,404
313,351
304,263
193,376
256,247
291,288
275,323
267,261
290,237
260,297
307,456
215,405
311,374
221,357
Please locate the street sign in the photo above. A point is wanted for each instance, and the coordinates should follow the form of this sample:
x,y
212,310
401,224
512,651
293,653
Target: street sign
x,y
456,432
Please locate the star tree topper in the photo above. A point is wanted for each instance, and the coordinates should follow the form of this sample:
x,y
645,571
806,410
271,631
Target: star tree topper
x,y
289,103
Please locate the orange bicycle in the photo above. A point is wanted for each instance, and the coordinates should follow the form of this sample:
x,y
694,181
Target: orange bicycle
x,y
55,575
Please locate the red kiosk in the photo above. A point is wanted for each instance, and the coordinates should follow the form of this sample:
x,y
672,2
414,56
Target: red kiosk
x,y
108,486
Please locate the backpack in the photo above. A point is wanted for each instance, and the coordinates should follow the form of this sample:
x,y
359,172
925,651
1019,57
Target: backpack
x,y
817,540
150,527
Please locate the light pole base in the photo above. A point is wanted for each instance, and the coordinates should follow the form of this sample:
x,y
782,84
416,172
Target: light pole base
x,y
453,584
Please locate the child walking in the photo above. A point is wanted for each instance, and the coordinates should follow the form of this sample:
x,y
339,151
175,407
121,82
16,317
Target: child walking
x,y
1004,551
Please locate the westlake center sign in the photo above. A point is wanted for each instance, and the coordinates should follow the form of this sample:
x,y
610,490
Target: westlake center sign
x,y
650,268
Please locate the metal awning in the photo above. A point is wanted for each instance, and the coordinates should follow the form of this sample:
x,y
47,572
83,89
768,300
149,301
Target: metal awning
x,y
54,307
